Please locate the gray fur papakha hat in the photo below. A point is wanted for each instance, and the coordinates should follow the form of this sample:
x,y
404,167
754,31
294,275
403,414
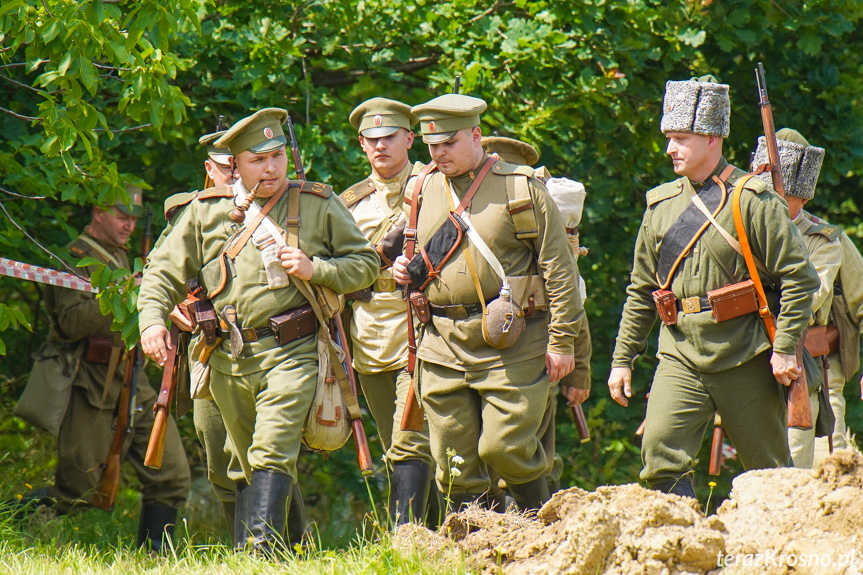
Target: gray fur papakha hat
x,y
698,106
801,163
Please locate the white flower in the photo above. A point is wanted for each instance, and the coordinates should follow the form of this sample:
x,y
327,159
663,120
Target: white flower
x,y
457,459
454,471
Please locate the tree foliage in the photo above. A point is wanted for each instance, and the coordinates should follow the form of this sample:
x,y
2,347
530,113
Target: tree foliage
x,y
582,81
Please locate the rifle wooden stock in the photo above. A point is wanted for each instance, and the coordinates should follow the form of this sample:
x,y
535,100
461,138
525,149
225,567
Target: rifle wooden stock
x,y
162,407
639,433
716,446
109,481
797,395
413,414
580,423
769,131
361,442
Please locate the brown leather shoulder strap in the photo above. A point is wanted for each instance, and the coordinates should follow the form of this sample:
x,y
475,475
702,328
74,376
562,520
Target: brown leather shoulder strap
x,y
763,309
471,191
416,202
250,229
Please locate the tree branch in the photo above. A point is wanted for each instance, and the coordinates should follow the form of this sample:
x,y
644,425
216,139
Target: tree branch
x,y
339,78
121,130
40,246
23,197
23,85
19,116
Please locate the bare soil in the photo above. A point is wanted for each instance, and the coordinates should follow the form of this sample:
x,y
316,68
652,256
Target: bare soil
x,y
777,521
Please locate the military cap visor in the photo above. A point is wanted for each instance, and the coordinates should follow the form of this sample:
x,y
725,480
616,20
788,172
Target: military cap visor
x,y
137,196
441,118
380,117
218,155
259,133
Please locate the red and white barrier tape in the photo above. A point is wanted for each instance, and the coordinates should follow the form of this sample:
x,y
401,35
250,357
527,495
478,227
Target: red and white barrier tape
x,y
33,273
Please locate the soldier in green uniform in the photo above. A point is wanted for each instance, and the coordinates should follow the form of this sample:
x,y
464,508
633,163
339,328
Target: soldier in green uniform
x,y
379,315
485,393
262,388
86,433
801,165
575,386
704,365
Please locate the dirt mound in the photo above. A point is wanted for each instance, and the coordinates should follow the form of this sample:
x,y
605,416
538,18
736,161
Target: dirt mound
x,y
777,521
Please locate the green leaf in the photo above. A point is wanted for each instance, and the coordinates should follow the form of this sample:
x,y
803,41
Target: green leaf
x,y
64,63
119,51
7,7
51,31
119,309
88,261
2,348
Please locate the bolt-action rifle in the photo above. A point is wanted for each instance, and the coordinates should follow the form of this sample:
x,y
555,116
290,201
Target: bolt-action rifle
x,y
109,481
337,332
797,393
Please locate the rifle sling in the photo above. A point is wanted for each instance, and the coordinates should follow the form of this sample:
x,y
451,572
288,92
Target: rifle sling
x,y
763,309
169,375
113,362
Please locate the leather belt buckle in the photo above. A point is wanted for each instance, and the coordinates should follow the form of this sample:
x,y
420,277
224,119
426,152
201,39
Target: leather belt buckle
x,y
456,312
385,285
690,305
249,334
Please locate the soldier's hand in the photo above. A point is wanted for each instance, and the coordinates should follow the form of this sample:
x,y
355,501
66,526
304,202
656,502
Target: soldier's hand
x,y
400,270
155,343
785,368
573,395
557,365
620,385
296,263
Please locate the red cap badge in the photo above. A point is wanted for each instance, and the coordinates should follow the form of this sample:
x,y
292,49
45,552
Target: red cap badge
x,y
268,133
431,127
378,120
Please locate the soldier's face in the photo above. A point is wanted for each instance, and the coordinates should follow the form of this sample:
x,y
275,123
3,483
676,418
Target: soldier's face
x,y
113,226
269,168
221,174
459,155
388,155
691,154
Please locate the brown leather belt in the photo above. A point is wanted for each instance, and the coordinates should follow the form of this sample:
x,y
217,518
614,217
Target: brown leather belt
x,y
249,334
457,311
292,325
693,304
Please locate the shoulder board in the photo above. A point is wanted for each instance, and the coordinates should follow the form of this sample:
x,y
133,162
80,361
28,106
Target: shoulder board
x,y
358,191
417,168
505,169
316,188
176,201
79,248
663,192
829,231
217,192
755,184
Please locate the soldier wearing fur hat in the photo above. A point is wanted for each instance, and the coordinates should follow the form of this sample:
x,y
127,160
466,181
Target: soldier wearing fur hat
x,y
687,249
80,333
379,320
495,334
801,164
575,386
262,380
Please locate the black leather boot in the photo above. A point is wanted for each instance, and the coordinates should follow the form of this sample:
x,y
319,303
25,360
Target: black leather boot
x,y
531,495
434,508
156,525
682,486
229,510
296,518
261,512
409,493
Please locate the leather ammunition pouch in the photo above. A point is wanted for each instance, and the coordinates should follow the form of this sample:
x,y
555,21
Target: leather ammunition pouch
x,y
392,244
822,340
733,300
98,350
666,306
205,316
421,307
293,324
364,294
437,251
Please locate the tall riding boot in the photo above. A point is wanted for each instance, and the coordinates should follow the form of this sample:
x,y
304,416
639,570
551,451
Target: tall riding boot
x,y
262,509
157,523
434,507
681,486
240,531
409,492
530,495
296,518
229,510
